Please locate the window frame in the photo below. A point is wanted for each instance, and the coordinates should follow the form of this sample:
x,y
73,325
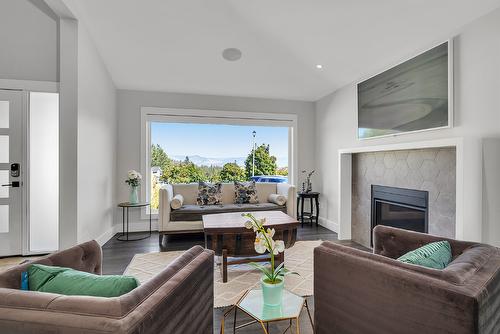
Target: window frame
x,y
206,116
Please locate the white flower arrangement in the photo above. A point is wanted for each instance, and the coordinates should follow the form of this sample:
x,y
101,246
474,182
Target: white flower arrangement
x,y
133,178
264,243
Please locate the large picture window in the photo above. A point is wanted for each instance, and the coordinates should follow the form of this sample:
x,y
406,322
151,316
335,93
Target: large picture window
x,y
186,149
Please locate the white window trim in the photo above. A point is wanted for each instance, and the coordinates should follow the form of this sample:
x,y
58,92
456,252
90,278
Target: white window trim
x,y
205,116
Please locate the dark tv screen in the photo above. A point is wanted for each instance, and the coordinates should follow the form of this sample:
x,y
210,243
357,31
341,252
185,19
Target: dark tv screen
x,y
411,96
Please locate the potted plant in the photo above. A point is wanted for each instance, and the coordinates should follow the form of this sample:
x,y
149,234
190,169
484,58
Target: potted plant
x,y
307,185
134,181
273,278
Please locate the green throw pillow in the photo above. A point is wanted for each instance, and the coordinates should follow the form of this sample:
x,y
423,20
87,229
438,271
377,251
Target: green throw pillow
x,y
436,255
67,281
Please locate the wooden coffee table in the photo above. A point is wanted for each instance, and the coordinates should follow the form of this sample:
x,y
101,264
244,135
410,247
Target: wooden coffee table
x,y
226,235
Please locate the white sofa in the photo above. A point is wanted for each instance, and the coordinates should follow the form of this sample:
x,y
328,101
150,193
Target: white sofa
x,y
188,218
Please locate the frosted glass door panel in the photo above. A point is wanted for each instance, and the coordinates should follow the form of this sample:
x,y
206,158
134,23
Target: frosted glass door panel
x,y
4,219
4,149
4,179
4,114
44,172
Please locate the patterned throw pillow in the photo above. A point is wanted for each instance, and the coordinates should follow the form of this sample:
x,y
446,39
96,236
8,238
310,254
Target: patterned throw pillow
x,y
209,194
436,255
245,192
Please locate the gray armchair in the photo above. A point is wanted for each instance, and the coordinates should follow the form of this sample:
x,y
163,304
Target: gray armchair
x,y
361,292
177,300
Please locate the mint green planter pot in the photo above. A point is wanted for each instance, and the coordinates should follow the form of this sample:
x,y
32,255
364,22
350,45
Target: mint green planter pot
x,y
133,197
272,293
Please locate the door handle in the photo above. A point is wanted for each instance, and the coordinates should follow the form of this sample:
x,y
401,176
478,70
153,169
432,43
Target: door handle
x,y
14,184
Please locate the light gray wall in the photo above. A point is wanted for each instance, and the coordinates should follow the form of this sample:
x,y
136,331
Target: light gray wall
x,y
33,46
129,132
68,130
477,115
31,36
97,134
491,195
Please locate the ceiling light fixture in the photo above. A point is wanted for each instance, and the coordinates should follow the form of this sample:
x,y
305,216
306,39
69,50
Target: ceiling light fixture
x,y
231,54
319,66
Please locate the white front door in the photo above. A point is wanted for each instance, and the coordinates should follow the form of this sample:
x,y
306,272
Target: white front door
x,y
11,172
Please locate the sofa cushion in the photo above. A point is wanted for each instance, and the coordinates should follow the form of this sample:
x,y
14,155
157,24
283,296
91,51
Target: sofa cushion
x,y
195,212
209,194
245,192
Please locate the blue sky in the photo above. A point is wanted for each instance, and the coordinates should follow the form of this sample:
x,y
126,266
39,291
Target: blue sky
x,y
217,141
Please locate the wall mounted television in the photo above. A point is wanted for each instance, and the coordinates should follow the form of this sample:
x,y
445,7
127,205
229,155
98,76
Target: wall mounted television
x,y
415,95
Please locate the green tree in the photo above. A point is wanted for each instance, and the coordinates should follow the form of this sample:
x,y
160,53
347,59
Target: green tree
x,y
212,173
265,163
183,172
232,172
159,158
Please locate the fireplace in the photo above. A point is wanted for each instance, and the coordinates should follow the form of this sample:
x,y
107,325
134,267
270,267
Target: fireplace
x,y
399,207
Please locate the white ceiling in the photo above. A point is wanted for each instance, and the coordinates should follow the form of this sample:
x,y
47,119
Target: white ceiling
x,y
176,45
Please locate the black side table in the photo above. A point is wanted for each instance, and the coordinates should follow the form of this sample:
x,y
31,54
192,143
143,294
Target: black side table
x,y
125,208
301,198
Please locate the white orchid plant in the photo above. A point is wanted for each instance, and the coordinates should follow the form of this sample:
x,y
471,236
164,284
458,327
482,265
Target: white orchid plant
x,y
133,178
264,243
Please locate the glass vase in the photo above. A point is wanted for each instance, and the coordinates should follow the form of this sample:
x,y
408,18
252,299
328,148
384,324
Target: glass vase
x,y
272,293
133,196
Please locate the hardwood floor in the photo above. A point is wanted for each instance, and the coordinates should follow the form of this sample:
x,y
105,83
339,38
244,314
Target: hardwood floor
x,y
118,254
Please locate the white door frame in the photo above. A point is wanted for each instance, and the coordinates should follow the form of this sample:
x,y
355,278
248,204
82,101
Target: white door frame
x,y
25,87
12,240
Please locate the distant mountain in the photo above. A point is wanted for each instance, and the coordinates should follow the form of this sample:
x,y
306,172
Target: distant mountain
x,y
204,161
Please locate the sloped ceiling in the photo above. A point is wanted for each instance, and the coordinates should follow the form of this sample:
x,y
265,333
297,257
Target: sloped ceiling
x,y
176,45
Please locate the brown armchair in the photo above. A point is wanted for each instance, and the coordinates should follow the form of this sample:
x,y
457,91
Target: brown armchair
x,y
177,300
362,292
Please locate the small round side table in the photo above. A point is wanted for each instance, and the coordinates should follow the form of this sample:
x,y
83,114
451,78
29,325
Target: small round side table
x,y
301,198
125,210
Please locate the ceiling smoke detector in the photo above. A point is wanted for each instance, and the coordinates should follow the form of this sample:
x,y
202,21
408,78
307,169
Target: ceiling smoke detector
x,y
231,54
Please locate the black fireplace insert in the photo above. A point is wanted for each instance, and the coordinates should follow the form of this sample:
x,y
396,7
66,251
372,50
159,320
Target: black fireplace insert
x,y
400,207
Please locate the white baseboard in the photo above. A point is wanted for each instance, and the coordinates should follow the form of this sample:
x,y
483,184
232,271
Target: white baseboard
x,y
142,226
329,224
103,238
139,226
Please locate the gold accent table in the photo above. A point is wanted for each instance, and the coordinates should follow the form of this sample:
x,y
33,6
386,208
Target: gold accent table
x,y
252,304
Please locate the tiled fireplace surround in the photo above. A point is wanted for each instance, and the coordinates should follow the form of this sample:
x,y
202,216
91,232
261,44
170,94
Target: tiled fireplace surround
x,y
430,169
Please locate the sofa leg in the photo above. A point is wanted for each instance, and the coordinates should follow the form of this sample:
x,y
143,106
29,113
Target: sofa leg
x,y
224,265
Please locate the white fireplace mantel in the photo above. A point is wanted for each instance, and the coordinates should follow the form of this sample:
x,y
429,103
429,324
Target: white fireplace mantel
x,y
345,179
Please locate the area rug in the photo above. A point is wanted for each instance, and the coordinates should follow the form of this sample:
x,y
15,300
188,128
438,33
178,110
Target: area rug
x,y
241,277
